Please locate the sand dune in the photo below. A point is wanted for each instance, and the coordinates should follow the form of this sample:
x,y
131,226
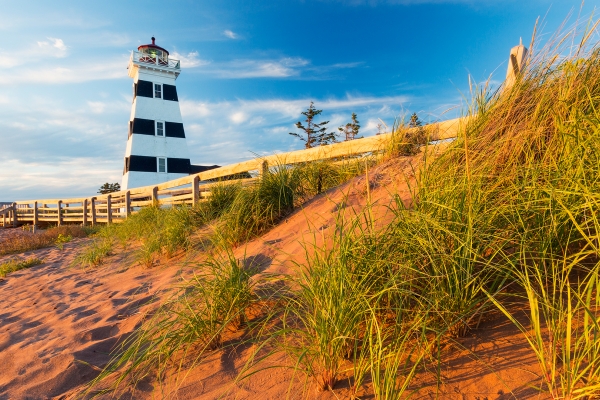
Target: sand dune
x,y
56,321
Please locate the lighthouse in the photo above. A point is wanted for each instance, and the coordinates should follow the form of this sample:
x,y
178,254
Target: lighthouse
x,y
156,148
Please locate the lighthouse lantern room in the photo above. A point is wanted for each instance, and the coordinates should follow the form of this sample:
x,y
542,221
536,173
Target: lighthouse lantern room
x,y
156,148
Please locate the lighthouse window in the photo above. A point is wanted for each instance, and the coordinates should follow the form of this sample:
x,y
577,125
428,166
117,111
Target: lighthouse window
x,y
162,164
160,128
158,90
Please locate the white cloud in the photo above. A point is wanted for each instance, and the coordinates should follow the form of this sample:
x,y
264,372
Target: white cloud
x,y
57,179
238,117
372,124
80,72
190,60
65,150
230,34
57,46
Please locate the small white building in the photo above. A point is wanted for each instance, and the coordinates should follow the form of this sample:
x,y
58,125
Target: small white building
x,y
156,147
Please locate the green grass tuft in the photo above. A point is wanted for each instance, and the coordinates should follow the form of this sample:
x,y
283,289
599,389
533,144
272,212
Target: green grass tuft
x,y
187,326
17,265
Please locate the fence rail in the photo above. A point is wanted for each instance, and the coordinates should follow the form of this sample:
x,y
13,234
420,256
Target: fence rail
x,y
116,207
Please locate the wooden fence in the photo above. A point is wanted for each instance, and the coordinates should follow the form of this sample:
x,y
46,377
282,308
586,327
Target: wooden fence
x,y
116,207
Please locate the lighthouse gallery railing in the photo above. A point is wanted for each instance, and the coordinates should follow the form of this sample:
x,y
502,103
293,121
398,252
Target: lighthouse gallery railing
x,y
153,59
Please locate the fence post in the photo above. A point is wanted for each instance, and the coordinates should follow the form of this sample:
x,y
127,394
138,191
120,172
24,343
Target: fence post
x,y
127,204
108,209
16,216
59,206
85,207
93,201
264,168
516,63
155,196
195,190
35,214
14,213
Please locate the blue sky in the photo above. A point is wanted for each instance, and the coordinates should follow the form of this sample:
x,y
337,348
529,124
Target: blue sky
x,y
249,69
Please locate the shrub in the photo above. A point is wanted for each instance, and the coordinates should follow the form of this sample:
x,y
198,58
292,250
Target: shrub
x,y
61,240
25,241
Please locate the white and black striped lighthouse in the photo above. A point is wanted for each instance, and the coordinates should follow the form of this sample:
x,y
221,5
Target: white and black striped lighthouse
x,y
156,147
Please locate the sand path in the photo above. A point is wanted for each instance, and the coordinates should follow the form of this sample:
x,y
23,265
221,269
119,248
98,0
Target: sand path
x,y
55,318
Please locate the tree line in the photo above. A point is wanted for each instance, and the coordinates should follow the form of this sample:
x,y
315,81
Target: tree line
x,y
314,133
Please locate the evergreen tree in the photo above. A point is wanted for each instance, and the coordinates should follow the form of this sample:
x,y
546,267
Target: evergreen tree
x,y
414,122
414,137
109,188
314,134
350,130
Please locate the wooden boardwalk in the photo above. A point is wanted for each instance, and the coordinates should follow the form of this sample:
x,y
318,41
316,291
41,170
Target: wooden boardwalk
x,y
116,207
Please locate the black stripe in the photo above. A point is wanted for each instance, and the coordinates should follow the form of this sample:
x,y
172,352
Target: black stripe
x,y
174,129
194,169
142,164
178,165
143,126
170,92
144,88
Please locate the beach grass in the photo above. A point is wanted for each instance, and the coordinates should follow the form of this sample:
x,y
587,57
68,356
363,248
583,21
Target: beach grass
x,y
505,218
192,322
14,265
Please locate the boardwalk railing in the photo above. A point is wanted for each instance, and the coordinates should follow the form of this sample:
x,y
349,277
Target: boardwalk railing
x,y
116,207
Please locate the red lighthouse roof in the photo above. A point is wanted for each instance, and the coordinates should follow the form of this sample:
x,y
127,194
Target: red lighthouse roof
x,y
152,46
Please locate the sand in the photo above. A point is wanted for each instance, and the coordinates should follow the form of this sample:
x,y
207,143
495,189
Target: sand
x,y
58,324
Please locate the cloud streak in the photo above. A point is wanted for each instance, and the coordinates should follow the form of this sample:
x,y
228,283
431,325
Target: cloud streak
x,y
284,67
34,53
66,72
230,34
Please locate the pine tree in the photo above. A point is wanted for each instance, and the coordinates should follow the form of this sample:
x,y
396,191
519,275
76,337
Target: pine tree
x,y
414,121
315,134
350,130
109,188
414,137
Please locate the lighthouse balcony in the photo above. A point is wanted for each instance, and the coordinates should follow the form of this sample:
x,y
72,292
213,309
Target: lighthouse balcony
x,y
153,59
